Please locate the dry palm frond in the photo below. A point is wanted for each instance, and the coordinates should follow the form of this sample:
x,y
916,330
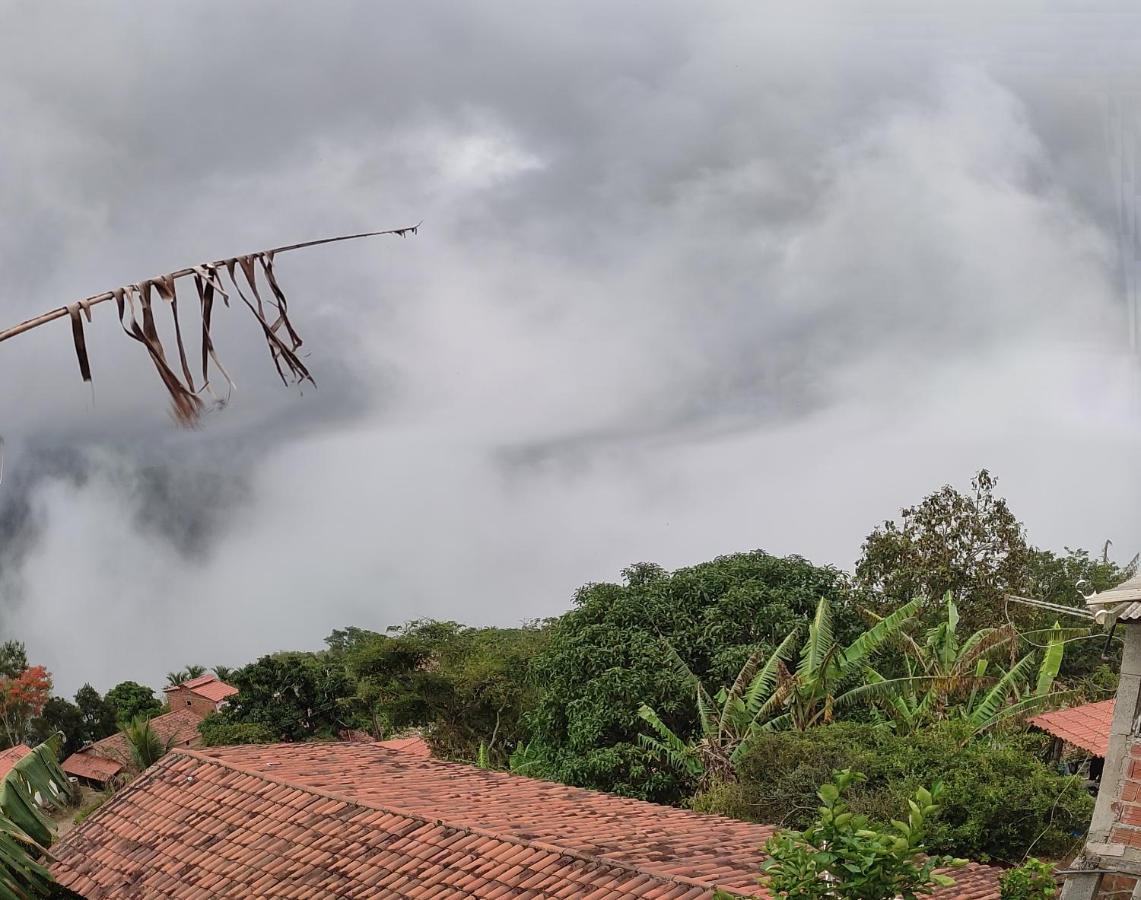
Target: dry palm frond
x,y
136,306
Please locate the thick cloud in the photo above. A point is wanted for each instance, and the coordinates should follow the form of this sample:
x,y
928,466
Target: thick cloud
x,y
689,282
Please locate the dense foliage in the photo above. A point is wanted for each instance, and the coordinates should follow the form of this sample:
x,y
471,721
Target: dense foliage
x,y
465,687
1033,880
608,656
843,856
1001,799
292,696
130,700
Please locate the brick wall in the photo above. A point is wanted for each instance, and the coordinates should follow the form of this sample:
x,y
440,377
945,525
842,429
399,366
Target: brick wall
x,y
180,698
1116,887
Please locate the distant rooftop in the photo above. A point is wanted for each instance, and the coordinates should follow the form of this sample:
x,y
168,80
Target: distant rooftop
x,y
11,756
208,686
1085,726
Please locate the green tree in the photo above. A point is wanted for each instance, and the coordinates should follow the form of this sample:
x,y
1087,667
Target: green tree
x,y
728,720
59,716
465,687
1067,579
843,856
970,545
606,657
98,716
223,673
130,700
13,659
949,678
294,696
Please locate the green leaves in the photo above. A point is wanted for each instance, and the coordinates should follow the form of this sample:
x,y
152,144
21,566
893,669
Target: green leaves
x,y
839,856
34,783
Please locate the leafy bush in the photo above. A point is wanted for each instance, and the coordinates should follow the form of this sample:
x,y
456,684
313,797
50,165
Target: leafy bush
x,y
1033,880
840,855
218,730
1000,799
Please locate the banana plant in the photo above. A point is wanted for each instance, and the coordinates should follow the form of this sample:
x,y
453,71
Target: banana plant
x,y
769,695
727,719
1011,696
34,783
943,670
964,681
830,678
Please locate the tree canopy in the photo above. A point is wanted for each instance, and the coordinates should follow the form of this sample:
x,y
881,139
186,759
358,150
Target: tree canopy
x,y
131,700
606,657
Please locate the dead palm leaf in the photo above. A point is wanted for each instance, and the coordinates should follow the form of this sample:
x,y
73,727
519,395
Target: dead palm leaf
x,y
136,304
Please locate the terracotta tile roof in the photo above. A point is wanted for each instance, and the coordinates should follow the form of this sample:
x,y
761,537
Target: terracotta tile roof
x,y
317,820
1085,726
180,727
415,745
106,758
9,757
92,766
208,686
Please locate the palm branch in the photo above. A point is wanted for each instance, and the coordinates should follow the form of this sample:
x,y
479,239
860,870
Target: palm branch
x,y
136,304
997,695
863,647
667,745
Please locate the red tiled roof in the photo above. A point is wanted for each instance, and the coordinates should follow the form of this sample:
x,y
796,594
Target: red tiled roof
x,y
345,820
180,727
85,764
1085,726
106,758
208,686
11,756
415,745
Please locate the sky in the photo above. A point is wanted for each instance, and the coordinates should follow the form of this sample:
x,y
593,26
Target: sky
x,y
691,280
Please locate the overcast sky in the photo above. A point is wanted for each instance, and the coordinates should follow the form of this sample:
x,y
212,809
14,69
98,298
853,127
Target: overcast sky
x,y
693,279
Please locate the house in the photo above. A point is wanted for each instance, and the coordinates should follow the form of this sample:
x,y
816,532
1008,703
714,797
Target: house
x,y
189,702
9,757
100,762
1110,863
329,820
203,695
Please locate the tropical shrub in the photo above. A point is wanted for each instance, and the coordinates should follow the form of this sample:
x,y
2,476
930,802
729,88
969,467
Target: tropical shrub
x,y
768,696
216,731
950,678
1033,880
841,855
147,747
1000,799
